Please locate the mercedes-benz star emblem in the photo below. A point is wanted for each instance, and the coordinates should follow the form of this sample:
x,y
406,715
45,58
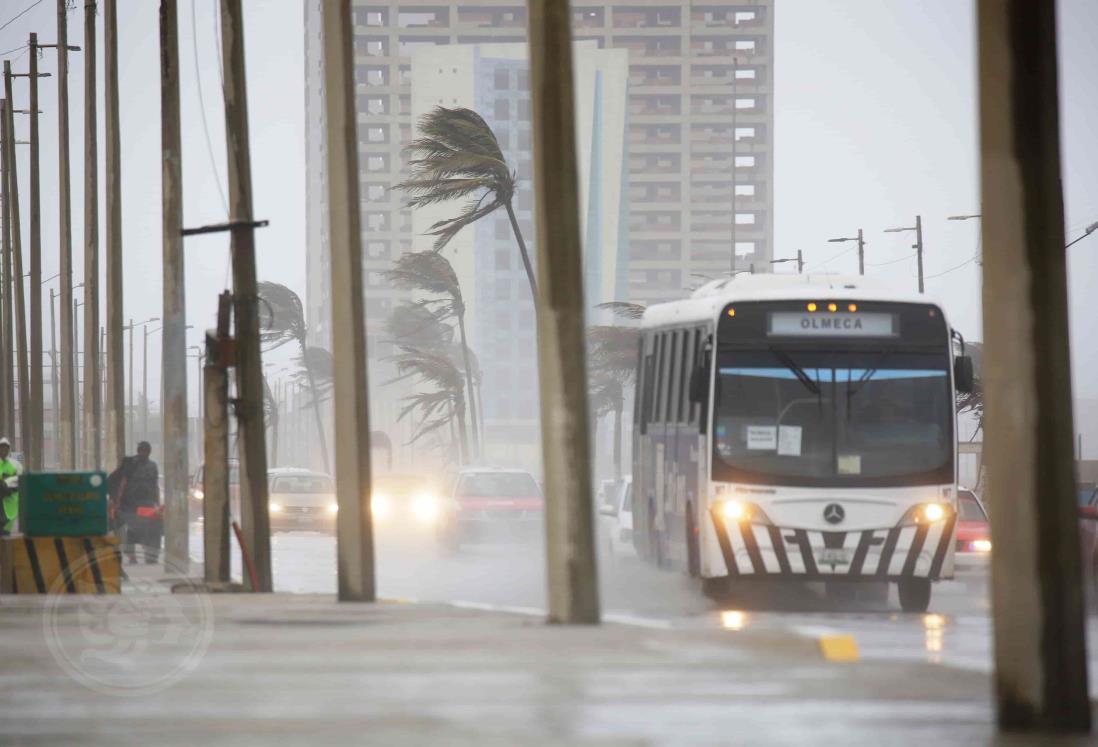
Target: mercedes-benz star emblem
x,y
833,513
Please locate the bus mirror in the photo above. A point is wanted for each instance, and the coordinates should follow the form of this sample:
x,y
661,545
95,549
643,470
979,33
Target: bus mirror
x,y
963,377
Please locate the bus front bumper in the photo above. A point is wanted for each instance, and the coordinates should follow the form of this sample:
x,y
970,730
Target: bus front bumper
x,y
886,554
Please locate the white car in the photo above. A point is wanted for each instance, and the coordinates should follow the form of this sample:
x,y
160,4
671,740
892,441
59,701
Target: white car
x,y
616,521
301,499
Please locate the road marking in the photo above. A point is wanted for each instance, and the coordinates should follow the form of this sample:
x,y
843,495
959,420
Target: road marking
x,y
839,648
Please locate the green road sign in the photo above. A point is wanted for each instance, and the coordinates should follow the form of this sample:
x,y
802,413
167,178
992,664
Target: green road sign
x,y
63,504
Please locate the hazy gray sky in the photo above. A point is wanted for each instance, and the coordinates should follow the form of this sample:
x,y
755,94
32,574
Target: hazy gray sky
x,y
875,111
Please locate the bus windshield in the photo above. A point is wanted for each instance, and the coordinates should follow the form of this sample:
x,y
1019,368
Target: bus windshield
x,y
833,418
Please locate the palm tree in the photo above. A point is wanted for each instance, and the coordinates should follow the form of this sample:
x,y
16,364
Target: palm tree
x,y
458,156
437,408
612,363
432,273
282,320
270,418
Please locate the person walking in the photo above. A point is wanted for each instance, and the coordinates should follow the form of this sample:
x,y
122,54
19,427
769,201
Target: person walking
x,y
136,492
9,468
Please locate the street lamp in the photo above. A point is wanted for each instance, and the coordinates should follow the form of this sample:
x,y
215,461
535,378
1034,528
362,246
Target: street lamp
x,y
131,327
861,248
917,246
1087,232
799,259
964,217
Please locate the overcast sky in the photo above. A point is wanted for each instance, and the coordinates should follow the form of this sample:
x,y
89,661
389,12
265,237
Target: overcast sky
x,y
875,121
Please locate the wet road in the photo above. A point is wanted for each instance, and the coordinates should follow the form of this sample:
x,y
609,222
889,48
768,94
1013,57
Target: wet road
x,y
955,632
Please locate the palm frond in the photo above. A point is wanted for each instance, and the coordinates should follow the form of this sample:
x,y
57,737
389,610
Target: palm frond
x,y
281,315
624,309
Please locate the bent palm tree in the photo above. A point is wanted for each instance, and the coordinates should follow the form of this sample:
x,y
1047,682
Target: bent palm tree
x,y
432,273
458,156
282,320
612,363
437,408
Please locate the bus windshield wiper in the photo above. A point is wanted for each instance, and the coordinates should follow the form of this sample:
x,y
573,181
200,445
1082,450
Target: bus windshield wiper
x,y
791,364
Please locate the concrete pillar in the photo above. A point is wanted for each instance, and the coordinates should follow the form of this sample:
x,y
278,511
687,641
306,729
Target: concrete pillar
x,y
1037,595
355,541
569,516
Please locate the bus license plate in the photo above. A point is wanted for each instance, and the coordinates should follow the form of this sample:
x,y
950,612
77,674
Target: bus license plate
x,y
833,556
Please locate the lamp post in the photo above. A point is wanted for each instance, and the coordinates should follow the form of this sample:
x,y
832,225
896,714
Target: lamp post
x,y
1087,232
917,246
145,381
799,259
860,238
198,368
132,325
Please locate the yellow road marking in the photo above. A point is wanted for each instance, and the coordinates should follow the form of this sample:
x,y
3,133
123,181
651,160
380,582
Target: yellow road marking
x,y
841,648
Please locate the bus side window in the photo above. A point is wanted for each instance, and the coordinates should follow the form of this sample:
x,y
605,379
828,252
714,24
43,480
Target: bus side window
x,y
648,401
686,409
674,378
660,378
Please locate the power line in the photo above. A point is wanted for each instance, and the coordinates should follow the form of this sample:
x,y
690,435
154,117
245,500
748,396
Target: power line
x,y
968,261
893,261
202,107
832,259
20,14
14,49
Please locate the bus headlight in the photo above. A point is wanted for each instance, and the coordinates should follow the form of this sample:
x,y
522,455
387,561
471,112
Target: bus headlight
x,y
197,494
333,508
276,508
927,513
981,545
734,511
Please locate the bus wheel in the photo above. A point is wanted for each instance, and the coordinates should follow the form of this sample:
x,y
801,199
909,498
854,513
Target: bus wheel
x,y
693,561
914,594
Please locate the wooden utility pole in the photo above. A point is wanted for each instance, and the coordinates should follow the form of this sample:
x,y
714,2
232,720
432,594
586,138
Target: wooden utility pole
x,y
55,387
255,522
116,379
355,540
91,457
8,337
919,248
20,339
215,472
1037,582
36,447
570,539
64,198
173,335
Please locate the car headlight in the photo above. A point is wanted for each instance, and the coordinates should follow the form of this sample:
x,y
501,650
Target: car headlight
x,y
425,508
381,506
197,494
276,508
981,545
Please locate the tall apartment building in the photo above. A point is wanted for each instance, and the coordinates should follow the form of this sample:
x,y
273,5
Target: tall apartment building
x,y
699,123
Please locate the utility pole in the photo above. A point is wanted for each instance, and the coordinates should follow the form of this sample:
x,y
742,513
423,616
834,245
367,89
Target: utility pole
x,y
36,447
116,423
145,384
173,335
54,385
7,339
17,264
800,262
355,539
570,545
1037,585
68,382
132,431
91,455
249,376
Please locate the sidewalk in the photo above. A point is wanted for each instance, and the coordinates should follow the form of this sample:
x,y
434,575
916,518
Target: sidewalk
x,y
135,669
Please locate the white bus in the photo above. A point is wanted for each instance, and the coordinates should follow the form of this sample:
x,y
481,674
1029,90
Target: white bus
x,y
798,428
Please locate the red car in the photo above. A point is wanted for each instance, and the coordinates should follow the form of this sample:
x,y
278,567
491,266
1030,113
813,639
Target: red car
x,y
485,503
973,534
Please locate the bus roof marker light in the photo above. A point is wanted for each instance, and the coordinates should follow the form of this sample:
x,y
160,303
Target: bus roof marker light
x,y
811,306
832,307
731,312
852,308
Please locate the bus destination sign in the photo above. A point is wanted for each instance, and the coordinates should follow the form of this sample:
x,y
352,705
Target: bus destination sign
x,y
831,324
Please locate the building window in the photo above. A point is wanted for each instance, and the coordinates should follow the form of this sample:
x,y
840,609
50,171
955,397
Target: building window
x,y
503,79
502,110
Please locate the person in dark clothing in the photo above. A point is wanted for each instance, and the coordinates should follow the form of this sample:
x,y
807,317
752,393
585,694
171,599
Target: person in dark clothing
x,y
136,491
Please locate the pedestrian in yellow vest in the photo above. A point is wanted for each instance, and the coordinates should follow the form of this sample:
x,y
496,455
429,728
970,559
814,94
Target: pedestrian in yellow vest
x,y
8,468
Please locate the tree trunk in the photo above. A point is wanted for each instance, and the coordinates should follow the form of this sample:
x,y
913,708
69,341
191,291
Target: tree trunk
x,y
316,407
525,255
463,436
469,385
